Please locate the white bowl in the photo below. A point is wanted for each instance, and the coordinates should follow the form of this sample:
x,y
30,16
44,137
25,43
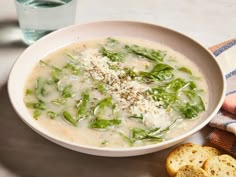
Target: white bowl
x,y
179,42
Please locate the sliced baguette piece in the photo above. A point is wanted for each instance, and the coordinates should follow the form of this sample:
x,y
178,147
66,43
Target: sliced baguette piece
x,y
220,166
211,151
191,171
187,154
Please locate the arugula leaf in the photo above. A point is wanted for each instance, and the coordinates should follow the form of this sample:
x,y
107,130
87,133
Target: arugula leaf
x,y
176,85
51,114
40,90
164,75
67,116
135,116
147,134
139,133
75,70
71,57
59,101
101,87
51,66
112,40
189,111
185,70
157,76
40,105
104,123
130,72
101,105
29,92
196,100
151,54
104,142
38,108
55,74
160,94
112,55
126,138
170,95
159,72
82,104
37,113
114,67
160,67
67,92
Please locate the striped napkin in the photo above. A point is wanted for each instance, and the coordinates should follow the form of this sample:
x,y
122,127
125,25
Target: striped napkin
x,y
224,136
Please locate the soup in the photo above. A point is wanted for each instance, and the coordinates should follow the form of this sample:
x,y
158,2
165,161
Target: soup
x,y
116,92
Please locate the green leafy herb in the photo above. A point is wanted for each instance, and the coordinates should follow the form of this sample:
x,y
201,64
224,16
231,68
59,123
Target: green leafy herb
x,y
29,92
71,57
112,41
101,105
101,87
140,134
104,123
149,134
189,111
36,105
67,92
160,94
160,72
37,113
131,73
73,68
113,67
157,76
176,85
104,142
135,116
51,66
161,67
192,85
126,138
186,70
67,116
151,54
59,101
51,114
55,74
40,88
112,55
196,100
164,75
82,104
171,94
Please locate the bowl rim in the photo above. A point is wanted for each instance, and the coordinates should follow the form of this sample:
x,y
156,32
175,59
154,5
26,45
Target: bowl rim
x,y
57,140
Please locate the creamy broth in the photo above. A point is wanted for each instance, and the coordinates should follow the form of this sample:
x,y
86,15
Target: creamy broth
x,y
116,92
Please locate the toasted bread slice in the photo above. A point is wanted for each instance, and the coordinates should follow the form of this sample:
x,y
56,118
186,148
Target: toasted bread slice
x,y
221,166
211,151
191,171
187,154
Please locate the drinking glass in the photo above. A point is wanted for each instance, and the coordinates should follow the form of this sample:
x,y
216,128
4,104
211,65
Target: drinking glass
x,y
40,17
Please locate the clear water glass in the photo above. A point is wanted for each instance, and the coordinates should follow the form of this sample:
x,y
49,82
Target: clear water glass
x,y
40,17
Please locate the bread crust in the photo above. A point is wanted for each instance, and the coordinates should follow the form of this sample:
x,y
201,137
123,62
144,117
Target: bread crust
x,y
191,171
220,166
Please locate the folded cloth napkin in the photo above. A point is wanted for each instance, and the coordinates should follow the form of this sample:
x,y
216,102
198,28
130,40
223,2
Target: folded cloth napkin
x,y
226,117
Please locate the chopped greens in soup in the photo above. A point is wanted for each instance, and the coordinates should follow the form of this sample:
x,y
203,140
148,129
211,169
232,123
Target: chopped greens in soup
x,y
116,92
